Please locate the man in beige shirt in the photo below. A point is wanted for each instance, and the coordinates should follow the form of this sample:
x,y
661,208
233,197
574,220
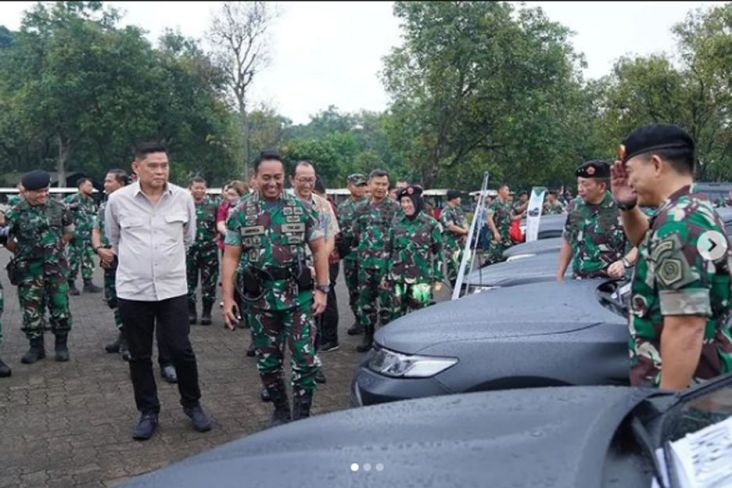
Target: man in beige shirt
x,y
150,224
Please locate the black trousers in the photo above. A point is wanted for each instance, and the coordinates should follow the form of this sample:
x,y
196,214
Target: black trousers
x,y
328,321
171,317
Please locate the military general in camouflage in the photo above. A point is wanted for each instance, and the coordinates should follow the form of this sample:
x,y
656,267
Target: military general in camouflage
x,y
371,222
680,293
415,255
203,255
83,211
455,229
357,183
500,216
593,238
39,229
271,230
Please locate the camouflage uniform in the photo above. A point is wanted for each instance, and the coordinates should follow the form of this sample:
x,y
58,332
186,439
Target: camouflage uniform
x,y
203,254
13,200
673,278
502,216
273,237
345,213
415,261
110,274
596,236
83,211
41,264
371,223
555,208
453,242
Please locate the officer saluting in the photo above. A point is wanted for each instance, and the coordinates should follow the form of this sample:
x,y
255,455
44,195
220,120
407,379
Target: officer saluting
x,y
680,294
271,229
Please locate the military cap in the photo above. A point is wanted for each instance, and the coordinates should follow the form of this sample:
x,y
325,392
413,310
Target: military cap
x,y
593,169
35,180
654,137
452,194
357,179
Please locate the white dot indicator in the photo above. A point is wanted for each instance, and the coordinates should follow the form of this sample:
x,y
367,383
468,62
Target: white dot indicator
x,y
367,467
354,467
379,467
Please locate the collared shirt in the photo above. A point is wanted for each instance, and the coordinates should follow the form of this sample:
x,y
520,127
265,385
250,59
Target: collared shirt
x,y
150,241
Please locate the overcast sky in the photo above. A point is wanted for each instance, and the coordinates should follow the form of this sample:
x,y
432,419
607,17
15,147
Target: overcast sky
x,y
329,53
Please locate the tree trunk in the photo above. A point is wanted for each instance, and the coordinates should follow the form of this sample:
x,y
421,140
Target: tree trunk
x,y
64,154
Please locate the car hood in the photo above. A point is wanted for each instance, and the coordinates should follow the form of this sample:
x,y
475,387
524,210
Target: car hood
x,y
541,267
501,313
550,437
538,246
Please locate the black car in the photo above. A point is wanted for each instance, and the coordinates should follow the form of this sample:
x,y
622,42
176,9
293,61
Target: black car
x,y
581,437
540,334
549,226
540,246
518,270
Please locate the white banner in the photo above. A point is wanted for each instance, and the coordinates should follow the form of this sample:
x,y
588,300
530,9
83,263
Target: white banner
x,y
533,214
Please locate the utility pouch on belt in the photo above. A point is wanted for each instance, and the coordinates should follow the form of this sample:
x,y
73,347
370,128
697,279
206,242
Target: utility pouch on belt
x,y
304,277
12,269
250,286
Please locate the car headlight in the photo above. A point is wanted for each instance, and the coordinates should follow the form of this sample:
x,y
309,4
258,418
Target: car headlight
x,y
397,365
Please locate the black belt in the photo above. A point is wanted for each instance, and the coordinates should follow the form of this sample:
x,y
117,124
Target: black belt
x,y
271,274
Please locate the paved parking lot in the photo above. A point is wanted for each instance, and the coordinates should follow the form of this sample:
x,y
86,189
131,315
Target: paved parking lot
x,y
70,424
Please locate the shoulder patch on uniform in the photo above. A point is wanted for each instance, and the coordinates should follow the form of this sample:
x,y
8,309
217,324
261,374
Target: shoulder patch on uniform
x,y
670,272
666,246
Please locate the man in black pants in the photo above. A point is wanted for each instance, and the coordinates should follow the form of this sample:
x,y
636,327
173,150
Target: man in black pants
x,y
149,224
328,321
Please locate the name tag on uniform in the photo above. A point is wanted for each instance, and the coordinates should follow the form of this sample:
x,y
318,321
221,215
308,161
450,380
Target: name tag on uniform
x,y
292,218
252,231
300,227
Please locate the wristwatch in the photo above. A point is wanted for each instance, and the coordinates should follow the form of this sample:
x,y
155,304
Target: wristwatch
x,y
626,263
324,288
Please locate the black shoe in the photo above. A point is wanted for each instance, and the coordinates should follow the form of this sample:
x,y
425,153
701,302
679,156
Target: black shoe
x,y
281,414
264,394
124,349
90,287
301,406
320,377
62,350
355,330
192,314
329,346
37,351
73,290
206,314
168,373
114,347
145,427
365,346
5,370
201,423
252,351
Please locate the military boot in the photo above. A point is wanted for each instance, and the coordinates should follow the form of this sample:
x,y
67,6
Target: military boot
x,y
206,314
90,287
281,414
355,329
73,290
4,370
62,351
113,347
301,405
192,314
368,339
37,351
124,349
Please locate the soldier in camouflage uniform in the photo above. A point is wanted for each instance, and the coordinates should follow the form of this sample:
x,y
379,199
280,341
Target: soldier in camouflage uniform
x,y
356,184
371,223
271,230
83,211
39,229
5,370
455,230
113,181
203,255
593,238
415,255
500,216
13,200
552,206
680,294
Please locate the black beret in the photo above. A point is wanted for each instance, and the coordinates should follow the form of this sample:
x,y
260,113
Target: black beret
x,y
410,191
593,169
452,194
654,137
35,180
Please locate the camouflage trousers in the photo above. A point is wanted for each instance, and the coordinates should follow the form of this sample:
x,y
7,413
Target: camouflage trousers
x,y
350,272
80,253
369,295
453,256
203,259
110,294
271,329
495,251
51,291
410,296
